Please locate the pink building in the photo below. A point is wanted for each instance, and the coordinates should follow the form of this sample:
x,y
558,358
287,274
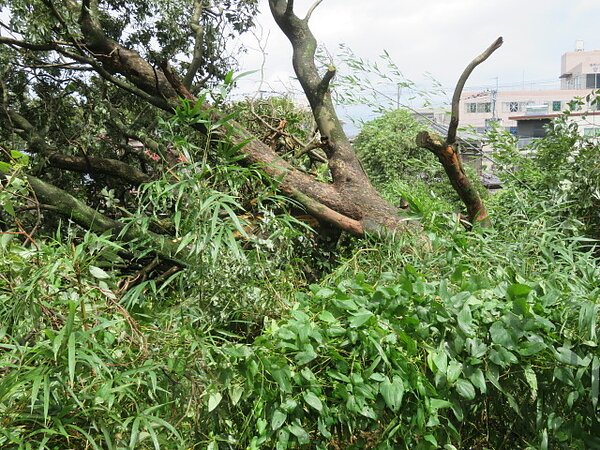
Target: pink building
x,y
580,75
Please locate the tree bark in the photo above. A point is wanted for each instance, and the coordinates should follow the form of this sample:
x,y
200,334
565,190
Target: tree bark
x,y
349,203
447,153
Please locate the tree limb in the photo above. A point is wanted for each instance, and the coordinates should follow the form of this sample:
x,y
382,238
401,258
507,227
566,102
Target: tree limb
x,y
74,209
311,10
454,118
198,52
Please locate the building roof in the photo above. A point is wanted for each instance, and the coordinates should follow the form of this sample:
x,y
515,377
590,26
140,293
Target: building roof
x,y
552,116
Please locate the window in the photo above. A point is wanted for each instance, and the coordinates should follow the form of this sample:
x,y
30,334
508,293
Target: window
x,y
591,132
513,106
592,80
471,107
484,107
556,105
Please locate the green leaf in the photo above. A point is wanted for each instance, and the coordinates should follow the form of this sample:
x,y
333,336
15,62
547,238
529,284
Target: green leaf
x,y
517,290
301,434
500,335
278,419
327,317
71,356
392,392
97,272
431,439
324,293
531,379
454,371
360,318
478,380
531,348
306,356
214,400
437,403
440,359
235,394
465,320
567,356
465,389
311,399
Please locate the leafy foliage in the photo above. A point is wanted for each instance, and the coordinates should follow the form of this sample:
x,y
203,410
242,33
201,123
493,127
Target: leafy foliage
x,y
562,168
386,147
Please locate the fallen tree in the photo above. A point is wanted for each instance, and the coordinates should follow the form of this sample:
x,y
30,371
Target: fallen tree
x,y
82,39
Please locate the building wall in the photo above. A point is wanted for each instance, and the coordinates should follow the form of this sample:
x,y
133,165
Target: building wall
x,y
476,109
580,70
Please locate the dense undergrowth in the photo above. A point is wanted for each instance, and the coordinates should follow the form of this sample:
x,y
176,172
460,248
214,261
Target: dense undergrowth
x,y
484,339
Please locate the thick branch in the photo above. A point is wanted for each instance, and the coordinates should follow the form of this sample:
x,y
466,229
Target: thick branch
x,y
198,52
89,164
455,117
94,165
450,160
70,207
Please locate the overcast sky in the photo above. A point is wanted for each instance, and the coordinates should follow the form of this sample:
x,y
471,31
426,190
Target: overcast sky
x,y
437,36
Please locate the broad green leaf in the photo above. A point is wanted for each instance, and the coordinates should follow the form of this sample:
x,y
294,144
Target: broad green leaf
x,y
478,380
437,403
500,335
300,433
278,419
440,359
213,400
311,399
531,379
392,392
518,290
324,293
235,394
531,348
431,439
289,405
97,272
465,320
454,371
465,389
360,318
327,317
567,356
306,356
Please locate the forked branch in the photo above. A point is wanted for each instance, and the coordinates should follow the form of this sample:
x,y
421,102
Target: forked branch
x,y
447,151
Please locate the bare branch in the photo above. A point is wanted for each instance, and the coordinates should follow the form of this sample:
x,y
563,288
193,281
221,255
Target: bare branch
x,y
311,10
72,208
94,165
27,45
198,52
454,119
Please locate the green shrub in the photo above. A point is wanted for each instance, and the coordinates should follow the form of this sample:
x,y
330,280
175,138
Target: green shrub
x,y
386,147
464,349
